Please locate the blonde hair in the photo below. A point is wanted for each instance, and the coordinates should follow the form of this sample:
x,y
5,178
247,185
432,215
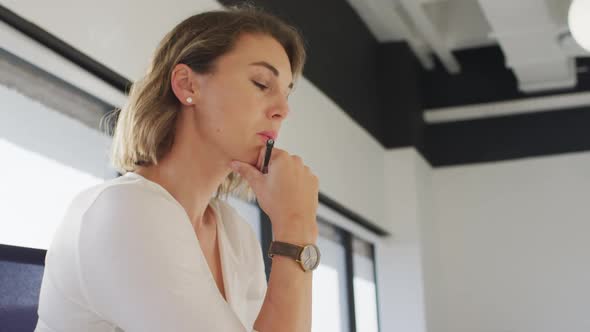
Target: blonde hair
x,y
144,126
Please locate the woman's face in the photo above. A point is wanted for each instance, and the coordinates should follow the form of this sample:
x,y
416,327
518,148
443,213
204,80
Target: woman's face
x,y
245,94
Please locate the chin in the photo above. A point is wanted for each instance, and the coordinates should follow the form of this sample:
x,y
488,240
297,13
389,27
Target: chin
x,y
248,155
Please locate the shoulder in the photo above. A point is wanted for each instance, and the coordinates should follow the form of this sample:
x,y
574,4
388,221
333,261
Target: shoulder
x,y
130,193
124,216
122,199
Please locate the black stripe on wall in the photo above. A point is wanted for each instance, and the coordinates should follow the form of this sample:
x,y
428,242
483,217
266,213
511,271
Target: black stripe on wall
x,y
509,137
399,88
62,48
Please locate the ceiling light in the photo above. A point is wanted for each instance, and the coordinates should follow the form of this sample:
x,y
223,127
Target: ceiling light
x,y
579,22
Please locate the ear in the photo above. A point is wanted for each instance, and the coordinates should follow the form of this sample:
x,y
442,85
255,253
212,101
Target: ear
x,y
184,84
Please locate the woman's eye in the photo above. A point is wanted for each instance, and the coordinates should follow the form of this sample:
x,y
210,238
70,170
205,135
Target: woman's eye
x,y
260,86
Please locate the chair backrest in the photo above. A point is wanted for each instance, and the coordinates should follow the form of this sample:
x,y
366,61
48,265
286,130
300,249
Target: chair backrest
x,y
21,272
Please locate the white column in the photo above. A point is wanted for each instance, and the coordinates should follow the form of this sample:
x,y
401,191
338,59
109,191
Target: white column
x,y
400,258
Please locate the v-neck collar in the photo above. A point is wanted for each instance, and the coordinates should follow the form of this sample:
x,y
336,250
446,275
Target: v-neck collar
x,y
223,257
227,268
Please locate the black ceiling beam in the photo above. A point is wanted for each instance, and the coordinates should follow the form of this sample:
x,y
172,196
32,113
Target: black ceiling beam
x,y
484,78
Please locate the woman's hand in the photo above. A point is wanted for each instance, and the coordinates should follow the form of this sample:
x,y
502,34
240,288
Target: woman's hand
x,y
288,194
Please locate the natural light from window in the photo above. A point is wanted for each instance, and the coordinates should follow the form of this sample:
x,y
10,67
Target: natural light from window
x,y
329,308
35,192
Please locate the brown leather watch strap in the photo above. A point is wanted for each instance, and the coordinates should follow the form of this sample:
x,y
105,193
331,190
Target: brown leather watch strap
x,y
284,249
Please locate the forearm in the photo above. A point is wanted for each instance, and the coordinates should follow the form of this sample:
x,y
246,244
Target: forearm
x,y
288,302
287,305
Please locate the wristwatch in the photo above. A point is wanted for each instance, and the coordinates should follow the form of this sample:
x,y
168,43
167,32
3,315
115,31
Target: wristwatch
x,y
308,256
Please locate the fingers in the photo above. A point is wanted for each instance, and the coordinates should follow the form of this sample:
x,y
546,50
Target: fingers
x,y
273,156
247,171
276,154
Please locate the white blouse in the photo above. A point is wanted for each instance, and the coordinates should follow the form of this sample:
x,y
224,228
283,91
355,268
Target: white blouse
x,y
126,258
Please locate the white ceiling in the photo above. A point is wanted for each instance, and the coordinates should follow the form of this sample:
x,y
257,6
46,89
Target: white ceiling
x,y
532,34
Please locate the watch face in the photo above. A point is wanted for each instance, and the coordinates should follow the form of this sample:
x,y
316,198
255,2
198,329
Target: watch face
x,y
310,257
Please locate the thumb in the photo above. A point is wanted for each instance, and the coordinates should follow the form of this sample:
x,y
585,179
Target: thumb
x,y
247,171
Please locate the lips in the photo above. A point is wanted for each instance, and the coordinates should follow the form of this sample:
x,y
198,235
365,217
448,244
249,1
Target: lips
x,y
269,134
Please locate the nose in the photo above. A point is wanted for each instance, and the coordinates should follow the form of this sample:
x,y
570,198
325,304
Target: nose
x,y
280,109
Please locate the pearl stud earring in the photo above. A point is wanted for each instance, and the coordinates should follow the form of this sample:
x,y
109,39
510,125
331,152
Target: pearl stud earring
x,y
189,100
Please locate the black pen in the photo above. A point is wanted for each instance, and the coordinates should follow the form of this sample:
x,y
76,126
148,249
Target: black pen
x,y
269,145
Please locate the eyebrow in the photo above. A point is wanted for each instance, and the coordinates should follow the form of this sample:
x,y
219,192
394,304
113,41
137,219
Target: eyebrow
x,y
271,68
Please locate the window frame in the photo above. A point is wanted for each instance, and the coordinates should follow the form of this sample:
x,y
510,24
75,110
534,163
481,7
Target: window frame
x,y
348,230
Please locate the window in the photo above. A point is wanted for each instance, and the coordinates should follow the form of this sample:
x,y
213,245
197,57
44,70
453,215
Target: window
x,y
344,292
249,211
345,289
365,294
51,149
330,299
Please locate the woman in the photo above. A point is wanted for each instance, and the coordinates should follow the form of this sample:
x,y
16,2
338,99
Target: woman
x,y
152,250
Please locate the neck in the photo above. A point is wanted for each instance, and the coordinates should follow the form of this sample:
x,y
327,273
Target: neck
x,y
191,172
